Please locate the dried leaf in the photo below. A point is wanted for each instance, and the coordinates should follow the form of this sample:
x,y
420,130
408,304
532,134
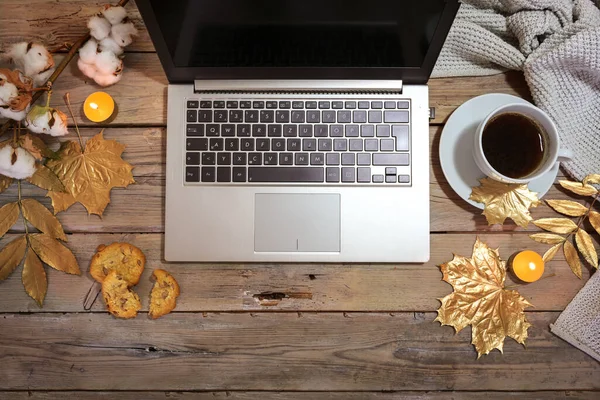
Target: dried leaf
x,y
53,253
578,188
586,247
503,201
480,300
572,258
34,278
24,87
89,176
568,207
5,182
42,219
592,179
551,252
45,179
556,225
9,214
11,256
547,238
594,217
36,147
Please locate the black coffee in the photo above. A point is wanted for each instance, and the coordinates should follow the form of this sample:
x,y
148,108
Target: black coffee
x,y
514,144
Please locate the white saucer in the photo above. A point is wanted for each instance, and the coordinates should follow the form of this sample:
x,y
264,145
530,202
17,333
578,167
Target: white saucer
x,y
456,147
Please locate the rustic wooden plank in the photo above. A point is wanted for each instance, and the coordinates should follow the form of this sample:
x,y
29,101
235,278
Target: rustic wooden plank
x,y
66,21
294,287
278,351
412,395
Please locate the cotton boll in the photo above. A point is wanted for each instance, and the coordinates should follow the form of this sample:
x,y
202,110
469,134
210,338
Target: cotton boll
x,y
88,51
16,163
99,27
123,33
31,58
109,44
107,79
114,14
11,114
47,120
8,91
108,63
88,70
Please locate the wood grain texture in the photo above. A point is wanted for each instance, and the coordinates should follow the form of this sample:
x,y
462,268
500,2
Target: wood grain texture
x,y
278,351
294,287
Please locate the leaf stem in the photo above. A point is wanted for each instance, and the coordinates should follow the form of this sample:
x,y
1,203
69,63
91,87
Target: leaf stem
x,y
21,209
68,103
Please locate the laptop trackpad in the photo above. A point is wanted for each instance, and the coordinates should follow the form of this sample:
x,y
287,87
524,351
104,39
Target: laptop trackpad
x,y
296,222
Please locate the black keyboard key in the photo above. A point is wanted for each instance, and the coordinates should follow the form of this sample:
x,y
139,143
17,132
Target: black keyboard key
x,y
297,104
336,131
192,104
258,104
317,159
259,130
387,145
192,158
402,104
243,130
400,132
239,174
219,104
367,130
332,175
321,130
324,105
216,144
194,130
359,117
374,117
350,105
337,105
390,104
196,144
344,117
298,117
247,145
391,171
286,174
356,145
213,130
363,105
250,116
301,158
192,116
293,144
325,145
313,116
309,145
351,130
371,145
390,179
278,144
348,175
328,117
224,158
396,116
363,159
290,130
378,178
263,144
377,104
208,174
270,158
306,131
236,116
403,179
192,174
332,158
282,116
206,104
286,159
208,158
285,104
390,159
267,116
205,116
274,130
363,175
228,130
254,158
340,144
245,104
239,159
232,144
348,159
232,104
383,131
271,104
311,105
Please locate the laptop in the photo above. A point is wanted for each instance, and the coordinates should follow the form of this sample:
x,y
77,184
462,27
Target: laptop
x,y
297,131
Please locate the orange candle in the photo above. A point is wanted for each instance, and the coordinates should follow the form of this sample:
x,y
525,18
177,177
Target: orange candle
x,y
98,106
528,266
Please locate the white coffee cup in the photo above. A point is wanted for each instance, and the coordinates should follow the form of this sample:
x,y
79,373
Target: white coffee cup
x,y
552,153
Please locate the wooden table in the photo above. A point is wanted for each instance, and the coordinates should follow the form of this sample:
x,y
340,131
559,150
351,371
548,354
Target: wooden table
x,y
270,331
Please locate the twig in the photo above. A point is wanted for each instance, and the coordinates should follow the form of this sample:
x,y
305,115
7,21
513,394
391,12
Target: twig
x,y
68,103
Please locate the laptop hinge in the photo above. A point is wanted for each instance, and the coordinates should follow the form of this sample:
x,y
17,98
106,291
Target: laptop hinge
x,y
298,86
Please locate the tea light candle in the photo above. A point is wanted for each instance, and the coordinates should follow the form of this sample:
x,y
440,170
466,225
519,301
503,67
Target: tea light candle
x,y
98,106
528,266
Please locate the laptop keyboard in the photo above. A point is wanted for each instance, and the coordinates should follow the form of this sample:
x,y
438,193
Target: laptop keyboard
x,y
297,141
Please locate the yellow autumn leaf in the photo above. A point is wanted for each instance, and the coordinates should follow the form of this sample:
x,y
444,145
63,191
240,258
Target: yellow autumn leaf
x,y
551,252
89,175
9,214
480,300
594,218
45,179
578,188
11,256
556,225
568,207
572,258
585,245
5,183
42,219
503,201
592,179
547,238
53,253
34,277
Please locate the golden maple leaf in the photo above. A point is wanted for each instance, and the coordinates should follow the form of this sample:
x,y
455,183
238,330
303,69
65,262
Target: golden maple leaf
x,y
503,201
89,175
480,300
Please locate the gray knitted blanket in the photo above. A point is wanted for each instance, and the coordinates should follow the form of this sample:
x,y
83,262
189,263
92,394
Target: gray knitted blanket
x,y
556,43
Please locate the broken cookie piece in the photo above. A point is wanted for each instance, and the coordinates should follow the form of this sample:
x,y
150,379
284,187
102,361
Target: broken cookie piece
x,y
163,297
120,300
126,259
